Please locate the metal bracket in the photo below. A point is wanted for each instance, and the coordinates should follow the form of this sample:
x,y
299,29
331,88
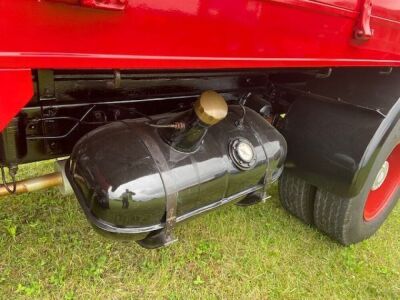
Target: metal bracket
x,y
47,89
362,30
325,74
386,71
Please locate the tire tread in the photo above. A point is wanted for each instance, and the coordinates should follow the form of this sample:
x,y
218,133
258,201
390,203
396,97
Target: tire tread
x,y
331,215
297,197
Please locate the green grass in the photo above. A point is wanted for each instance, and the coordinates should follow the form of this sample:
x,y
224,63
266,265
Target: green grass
x,y
48,250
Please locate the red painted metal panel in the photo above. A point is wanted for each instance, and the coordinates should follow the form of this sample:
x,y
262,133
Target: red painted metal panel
x,y
347,4
388,9
190,34
157,34
385,24
16,90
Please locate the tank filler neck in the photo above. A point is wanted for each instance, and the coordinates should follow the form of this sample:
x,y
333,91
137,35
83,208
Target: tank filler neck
x,y
208,110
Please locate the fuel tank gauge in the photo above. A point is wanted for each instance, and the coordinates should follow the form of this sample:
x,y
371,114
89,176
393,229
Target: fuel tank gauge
x,y
242,153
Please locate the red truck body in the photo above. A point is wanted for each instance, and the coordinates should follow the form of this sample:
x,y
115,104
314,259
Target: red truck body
x,y
160,34
192,34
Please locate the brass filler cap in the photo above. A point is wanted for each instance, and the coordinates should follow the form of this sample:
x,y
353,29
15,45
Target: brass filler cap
x,y
211,108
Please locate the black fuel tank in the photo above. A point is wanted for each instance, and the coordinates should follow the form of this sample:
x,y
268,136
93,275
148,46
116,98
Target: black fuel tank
x,y
117,173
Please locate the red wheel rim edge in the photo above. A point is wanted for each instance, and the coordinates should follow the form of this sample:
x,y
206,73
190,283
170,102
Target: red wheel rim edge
x,y
377,200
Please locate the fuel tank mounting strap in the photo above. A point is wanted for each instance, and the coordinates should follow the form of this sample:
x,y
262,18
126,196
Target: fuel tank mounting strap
x,y
169,185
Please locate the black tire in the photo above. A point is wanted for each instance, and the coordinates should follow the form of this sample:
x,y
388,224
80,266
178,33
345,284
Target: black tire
x,y
297,197
343,218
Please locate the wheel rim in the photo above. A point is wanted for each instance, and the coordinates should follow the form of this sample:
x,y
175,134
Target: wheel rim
x,y
385,185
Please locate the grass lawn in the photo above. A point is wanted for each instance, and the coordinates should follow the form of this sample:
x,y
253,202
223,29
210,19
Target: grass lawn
x,y
48,250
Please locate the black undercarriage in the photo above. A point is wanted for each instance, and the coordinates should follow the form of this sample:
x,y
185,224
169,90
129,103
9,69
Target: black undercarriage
x,y
69,103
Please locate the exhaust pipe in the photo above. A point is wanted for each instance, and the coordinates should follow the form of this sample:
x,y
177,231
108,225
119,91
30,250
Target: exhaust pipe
x,y
56,179
33,184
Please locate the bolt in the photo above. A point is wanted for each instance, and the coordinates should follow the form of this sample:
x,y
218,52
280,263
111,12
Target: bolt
x,y
97,115
359,33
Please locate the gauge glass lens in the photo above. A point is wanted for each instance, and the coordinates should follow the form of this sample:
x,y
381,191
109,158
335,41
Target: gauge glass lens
x,y
245,152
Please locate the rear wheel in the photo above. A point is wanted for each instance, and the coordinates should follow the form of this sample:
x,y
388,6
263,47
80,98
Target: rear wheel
x,y
351,220
346,220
